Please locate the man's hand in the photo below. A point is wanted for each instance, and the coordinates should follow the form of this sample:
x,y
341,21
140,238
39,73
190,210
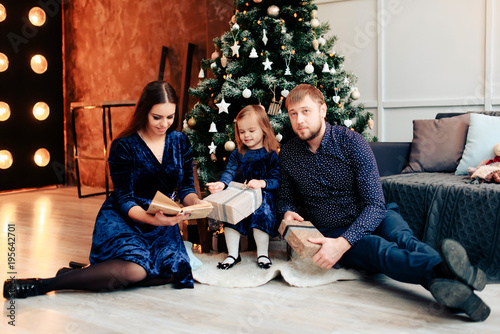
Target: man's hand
x,y
290,215
330,252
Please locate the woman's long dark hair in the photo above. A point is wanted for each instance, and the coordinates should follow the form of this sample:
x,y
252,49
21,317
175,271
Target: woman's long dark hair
x,y
155,92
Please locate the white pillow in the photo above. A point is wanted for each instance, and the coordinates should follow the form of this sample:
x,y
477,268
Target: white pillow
x,y
483,135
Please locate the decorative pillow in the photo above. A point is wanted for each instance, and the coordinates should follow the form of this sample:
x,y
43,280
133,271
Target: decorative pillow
x,y
437,144
484,133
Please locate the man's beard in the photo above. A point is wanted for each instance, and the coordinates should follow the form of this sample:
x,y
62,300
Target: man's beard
x,y
313,134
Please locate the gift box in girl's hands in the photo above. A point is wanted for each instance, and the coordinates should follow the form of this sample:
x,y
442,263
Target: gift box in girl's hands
x,y
234,203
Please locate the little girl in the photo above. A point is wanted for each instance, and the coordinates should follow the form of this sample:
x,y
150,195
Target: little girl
x,y
256,162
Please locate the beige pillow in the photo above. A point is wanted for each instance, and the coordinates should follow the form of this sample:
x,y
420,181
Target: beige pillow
x,y
437,144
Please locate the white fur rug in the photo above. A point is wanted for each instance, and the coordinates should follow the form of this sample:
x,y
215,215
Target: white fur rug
x,y
246,274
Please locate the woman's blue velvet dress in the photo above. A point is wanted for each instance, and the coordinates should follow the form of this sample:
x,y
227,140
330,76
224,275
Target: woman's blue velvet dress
x,y
260,165
136,176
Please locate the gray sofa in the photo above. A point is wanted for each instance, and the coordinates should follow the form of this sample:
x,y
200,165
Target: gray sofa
x,y
440,205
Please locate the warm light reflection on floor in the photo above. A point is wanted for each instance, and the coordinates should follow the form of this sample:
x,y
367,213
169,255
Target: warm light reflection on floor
x,y
7,212
44,241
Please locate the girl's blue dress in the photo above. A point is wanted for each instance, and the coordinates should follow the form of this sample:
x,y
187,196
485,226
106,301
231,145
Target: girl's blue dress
x,y
261,165
136,176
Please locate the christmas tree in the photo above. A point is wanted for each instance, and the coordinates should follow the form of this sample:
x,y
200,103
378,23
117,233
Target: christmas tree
x,y
271,47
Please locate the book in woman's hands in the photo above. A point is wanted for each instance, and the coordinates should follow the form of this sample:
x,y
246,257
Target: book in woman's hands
x,y
161,202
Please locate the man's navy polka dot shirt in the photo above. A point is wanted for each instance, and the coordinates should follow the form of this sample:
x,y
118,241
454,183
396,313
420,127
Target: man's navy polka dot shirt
x,y
335,187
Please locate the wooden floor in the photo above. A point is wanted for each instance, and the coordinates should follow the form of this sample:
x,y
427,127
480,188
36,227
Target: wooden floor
x,y
54,226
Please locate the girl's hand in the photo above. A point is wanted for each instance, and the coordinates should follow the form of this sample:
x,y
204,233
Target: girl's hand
x,y
159,219
215,187
256,184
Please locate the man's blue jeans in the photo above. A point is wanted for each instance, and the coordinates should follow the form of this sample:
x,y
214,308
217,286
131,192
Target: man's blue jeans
x,y
393,250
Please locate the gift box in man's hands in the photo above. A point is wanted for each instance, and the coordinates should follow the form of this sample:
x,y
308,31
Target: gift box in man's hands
x,y
234,203
296,234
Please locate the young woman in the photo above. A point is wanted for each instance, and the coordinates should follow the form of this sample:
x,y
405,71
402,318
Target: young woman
x,y
255,161
130,246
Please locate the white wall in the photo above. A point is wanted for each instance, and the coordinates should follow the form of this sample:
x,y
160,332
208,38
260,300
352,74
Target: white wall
x,y
415,58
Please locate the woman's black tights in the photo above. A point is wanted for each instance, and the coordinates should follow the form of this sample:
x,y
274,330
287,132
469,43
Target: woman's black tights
x,y
106,276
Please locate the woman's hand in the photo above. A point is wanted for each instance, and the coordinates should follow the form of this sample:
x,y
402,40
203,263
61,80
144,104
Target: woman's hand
x,y
215,187
256,184
159,219
200,201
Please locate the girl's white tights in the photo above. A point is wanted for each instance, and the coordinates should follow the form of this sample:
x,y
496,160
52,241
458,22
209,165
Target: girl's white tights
x,y
262,243
233,244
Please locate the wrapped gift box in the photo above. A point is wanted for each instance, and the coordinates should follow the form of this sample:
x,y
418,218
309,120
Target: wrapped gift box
x,y
234,203
296,234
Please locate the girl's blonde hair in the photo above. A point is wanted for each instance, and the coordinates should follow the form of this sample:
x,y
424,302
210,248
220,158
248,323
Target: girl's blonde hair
x,y
269,140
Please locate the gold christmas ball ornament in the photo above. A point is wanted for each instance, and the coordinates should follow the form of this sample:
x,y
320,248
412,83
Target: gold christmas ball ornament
x,y
273,11
233,19
213,157
229,146
215,55
314,23
191,122
257,1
